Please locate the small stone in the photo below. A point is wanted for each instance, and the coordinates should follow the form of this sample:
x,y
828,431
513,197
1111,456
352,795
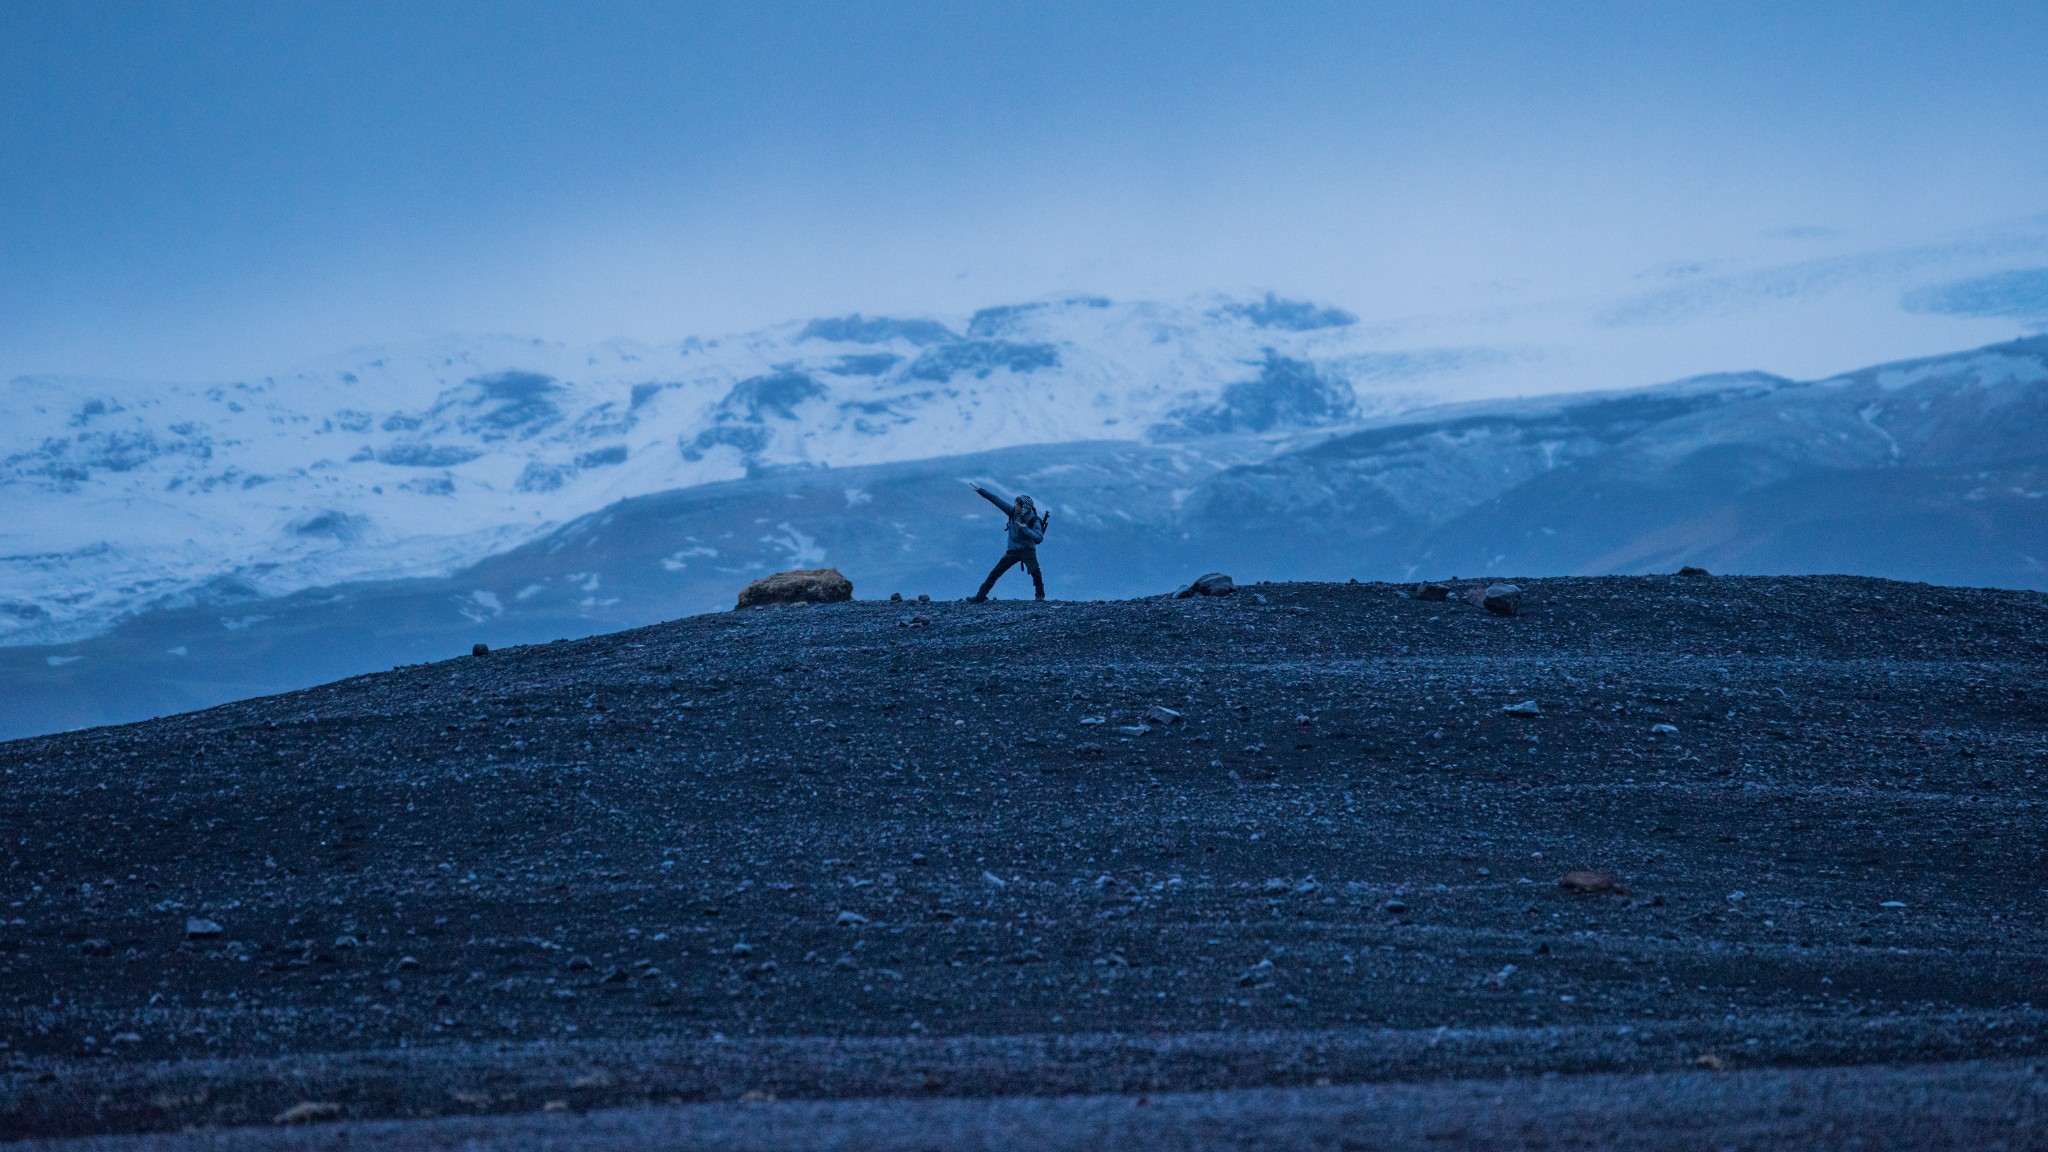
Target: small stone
x,y
96,947
1592,883
1693,570
851,919
1892,904
744,949
917,621
197,929
1163,715
347,941
993,880
1088,751
924,598
1277,887
1258,973
895,597
615,976
308,1112
1664,729
479,649
1210,584
1432,592
1522,708
580,964
407,963
127,1038
1396,908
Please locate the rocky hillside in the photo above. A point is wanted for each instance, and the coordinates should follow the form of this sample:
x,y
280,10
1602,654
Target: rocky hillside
x,y
1308,833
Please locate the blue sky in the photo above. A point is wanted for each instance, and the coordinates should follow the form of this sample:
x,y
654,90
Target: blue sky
x,y
190,190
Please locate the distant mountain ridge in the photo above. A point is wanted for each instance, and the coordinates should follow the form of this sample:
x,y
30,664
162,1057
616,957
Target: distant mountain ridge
x,y
418,460
1933,470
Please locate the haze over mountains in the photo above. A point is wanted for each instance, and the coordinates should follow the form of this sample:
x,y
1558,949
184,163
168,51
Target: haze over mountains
x,y
171,547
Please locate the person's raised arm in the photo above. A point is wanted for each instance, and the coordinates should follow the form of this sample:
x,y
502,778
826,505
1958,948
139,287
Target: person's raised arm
x,y
993,499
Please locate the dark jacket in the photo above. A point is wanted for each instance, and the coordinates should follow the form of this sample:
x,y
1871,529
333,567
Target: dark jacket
x,y
1025,532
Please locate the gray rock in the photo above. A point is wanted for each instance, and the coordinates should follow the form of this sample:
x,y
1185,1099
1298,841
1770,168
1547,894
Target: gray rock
x,y
198,929
851,919
479,649
1432,592
1693,570
1211,584
1522,708
803,586
1499,599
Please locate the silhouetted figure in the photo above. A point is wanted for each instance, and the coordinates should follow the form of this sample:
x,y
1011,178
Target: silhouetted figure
x,y
1026,528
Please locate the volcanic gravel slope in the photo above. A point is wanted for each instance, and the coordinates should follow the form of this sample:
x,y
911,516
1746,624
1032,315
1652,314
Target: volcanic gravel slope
x,y
881,849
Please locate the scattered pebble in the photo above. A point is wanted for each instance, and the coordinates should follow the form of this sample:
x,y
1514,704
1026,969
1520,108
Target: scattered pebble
x,y
1592,882
308,1112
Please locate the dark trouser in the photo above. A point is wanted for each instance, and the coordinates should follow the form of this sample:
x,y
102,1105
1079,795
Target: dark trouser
x,y
1028,557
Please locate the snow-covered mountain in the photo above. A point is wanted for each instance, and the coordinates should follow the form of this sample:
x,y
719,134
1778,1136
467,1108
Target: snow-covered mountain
x,y
1931,470
419,460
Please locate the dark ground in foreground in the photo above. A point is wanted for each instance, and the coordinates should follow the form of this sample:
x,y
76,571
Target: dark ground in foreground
x,y
1983,1107
837,853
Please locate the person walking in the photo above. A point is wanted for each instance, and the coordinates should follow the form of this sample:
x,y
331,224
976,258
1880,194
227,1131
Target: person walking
x,y
1026,530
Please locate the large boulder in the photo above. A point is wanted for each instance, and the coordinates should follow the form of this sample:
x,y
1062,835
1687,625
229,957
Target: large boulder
x,y
809,586
1213,584
1499,599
